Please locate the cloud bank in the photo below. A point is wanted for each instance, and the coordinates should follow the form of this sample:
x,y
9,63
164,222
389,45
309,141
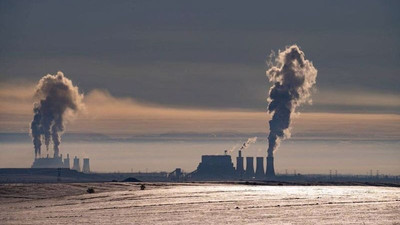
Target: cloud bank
x,y
126,116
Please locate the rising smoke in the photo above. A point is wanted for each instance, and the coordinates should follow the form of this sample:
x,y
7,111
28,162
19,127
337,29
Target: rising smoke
x,y
248,142
56,97
293,77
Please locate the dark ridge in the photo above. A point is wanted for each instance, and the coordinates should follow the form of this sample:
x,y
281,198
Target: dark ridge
x,y
131,179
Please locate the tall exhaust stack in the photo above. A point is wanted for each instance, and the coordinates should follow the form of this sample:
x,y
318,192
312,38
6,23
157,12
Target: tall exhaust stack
x,y
292,77
239,165
260,168
270,166
249,167
86,166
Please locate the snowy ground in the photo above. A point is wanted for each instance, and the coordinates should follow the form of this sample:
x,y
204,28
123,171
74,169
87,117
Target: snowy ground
x,y
125,203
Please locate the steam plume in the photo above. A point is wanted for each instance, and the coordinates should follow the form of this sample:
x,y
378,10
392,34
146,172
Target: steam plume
x,y
233,148
293,77
55,97
248,142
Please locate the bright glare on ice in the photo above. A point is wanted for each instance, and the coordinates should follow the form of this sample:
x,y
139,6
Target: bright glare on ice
x,y
125,203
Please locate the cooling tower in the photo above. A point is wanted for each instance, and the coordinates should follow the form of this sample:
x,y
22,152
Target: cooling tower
x,y
270,167
239,165
86,166
260,168
249,167
66,162
76,165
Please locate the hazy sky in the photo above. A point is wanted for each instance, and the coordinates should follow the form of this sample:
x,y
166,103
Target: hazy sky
x,y
207,54
154,67
197,55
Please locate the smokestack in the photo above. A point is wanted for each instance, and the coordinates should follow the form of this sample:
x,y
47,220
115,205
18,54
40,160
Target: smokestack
x,y
249,167
239,165
66,162
270,167
76,165
260,168
54,95
86,166
293,77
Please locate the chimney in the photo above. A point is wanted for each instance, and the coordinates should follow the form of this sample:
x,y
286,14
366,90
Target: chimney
x,y
260,168
56,155
66,162
239,165
270,167
249,167
86,166
76,165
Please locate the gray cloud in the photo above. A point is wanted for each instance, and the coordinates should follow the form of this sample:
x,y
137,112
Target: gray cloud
x,y
200,54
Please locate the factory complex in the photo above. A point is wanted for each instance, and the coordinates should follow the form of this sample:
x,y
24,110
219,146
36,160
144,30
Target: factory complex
x,y
220,167
58,162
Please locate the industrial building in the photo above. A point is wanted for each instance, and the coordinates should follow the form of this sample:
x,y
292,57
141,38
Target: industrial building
x,y
214,167
48,162
220,167
59,162
211,167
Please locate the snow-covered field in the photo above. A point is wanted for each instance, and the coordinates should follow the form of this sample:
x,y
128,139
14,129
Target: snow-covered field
x,y
125,203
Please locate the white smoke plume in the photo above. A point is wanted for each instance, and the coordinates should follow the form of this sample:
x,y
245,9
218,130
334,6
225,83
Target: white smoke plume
x,y
233,148
293,77
248,142
55,96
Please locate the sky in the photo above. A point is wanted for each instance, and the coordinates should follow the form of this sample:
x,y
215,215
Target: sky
x,y
187,67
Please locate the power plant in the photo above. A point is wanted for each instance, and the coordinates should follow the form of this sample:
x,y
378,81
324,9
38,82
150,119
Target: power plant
x,y
48,162
211,168
58,162
214,167
220,167
55,96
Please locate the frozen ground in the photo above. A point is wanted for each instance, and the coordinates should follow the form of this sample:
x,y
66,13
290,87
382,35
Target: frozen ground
x,y
125,203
